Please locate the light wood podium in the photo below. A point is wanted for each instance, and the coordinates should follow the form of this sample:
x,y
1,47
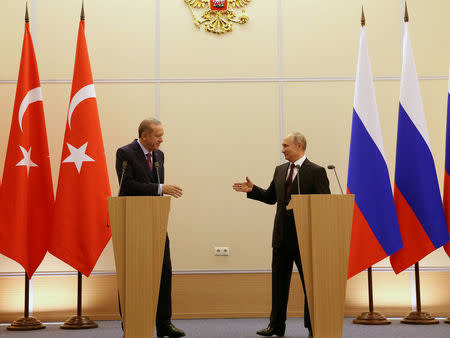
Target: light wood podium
x,y
139,226
324,224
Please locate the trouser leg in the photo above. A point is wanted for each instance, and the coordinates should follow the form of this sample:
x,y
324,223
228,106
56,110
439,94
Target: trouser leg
x,y
281,278
164,310
298,263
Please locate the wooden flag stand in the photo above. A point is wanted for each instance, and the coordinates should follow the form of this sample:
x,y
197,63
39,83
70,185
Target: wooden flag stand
x,y
371,317
419,317
79,322
26,323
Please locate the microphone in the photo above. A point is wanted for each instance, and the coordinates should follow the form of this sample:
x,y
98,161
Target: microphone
x,y
124,167
332,167
157,170
298,178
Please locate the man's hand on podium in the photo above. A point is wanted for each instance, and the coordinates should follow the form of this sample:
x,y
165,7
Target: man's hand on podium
x,y
172,190
243,186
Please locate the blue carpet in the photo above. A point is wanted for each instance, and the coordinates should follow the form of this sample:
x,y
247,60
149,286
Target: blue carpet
x,y
243,328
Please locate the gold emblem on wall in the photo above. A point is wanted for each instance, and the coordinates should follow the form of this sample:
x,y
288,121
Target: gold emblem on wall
x,y
219,15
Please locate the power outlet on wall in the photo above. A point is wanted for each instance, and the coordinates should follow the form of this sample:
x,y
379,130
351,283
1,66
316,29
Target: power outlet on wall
x,y
221,251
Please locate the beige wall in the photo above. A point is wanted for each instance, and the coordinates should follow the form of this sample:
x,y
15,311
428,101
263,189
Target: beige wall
x,y
219,132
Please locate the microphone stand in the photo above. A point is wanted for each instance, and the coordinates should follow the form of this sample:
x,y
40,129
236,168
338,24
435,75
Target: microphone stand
x,y
124,167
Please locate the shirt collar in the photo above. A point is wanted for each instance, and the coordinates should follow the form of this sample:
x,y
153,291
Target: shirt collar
x,y
143,148
300,161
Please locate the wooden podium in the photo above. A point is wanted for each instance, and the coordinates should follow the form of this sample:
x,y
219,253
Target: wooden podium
x,y
324,224
139,226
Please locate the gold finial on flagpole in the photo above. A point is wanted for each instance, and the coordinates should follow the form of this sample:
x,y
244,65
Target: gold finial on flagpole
x,y
363,18
406,18
82,16
27,18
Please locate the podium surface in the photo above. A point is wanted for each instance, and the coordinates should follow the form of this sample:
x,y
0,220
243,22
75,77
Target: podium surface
x,y
323,224
138,227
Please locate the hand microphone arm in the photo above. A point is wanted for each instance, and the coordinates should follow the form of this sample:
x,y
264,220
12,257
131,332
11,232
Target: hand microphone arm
x,y
332,167
124,167
157,171
298,178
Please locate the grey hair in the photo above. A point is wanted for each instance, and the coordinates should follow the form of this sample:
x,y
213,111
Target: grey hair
x,y
299,138
145,125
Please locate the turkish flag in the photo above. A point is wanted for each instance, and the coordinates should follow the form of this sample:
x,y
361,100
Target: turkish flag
x,y
26,196
81,224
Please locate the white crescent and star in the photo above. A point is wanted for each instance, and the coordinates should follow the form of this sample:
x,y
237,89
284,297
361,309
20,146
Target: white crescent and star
x,y
78,156
26,161
34,95
84,93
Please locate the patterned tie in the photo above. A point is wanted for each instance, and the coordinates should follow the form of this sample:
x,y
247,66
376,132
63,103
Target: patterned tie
x,y
288,184
149,160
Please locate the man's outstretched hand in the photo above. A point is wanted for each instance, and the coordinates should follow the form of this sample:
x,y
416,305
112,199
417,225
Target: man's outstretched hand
x,y
243,186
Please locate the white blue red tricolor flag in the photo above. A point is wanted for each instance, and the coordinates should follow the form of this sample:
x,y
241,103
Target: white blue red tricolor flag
x,y
447,170
416,192
375,230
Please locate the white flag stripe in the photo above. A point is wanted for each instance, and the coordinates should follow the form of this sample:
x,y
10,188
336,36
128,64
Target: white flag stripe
x,y
32,96
84,93
365,103
410,97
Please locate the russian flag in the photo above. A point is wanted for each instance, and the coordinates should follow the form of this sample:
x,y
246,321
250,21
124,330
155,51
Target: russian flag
x,y
447,170
416,192
375,230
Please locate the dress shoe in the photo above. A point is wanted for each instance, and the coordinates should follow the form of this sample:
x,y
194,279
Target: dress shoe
x,y
271,330
168,330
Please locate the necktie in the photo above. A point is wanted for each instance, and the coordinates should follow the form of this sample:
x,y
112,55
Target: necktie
x,y
288,184
149,160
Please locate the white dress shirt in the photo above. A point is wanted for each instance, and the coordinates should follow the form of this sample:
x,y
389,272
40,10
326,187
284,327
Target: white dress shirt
x,y
299,162
146,152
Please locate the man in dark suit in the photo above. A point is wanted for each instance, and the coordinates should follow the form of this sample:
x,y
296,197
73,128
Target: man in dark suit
x,y
313,180
144,176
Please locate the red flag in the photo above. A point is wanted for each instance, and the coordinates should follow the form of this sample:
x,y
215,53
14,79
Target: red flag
x,y
81,223
26,197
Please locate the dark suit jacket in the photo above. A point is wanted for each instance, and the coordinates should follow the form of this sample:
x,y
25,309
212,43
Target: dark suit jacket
x,y
313,180
138,179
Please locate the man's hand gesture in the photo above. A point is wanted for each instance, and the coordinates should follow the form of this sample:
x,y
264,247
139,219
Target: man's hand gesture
x,y
172,190
243,186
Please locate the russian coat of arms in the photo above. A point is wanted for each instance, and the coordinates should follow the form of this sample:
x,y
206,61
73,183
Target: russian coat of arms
x,y
218,16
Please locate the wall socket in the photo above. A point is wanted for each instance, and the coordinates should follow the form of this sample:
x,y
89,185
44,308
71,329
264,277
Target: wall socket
x,y
221,251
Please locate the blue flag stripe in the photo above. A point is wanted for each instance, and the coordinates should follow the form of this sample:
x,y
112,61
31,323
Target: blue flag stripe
x,y
415,177
368,179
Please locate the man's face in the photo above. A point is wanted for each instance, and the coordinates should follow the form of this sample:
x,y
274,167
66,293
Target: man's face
x,y
151,141
291,151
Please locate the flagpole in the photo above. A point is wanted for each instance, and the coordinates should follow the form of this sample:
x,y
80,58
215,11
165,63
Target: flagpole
x,y
419,317
26,323
78,321
371,317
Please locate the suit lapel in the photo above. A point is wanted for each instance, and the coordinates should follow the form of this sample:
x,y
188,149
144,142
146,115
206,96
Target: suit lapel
x,y
142,159
281,179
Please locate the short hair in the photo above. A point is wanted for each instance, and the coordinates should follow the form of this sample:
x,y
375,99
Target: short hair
x,y
299,138
145,125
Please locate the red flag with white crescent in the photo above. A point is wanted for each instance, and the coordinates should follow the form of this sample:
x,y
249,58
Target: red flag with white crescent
x,y
81,224
26,196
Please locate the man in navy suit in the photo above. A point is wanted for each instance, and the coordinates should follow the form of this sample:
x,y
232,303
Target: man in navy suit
x,y
313,180
144,176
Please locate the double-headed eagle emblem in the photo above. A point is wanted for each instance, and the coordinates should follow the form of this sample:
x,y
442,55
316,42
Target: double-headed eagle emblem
x,y
218,17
